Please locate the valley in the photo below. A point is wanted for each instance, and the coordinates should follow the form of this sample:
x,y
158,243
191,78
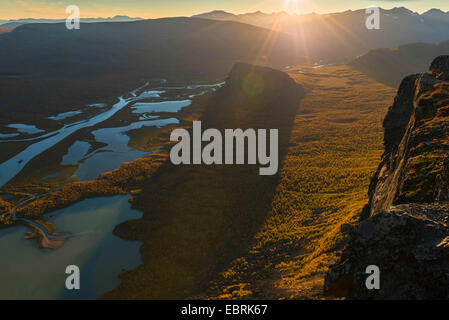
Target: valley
x,y
330,150
106,132
157,150
81,150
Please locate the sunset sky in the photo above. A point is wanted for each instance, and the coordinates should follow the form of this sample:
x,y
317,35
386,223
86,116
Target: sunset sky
x,y
13,9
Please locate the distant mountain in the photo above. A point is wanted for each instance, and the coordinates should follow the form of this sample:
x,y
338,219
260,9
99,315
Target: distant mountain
x,y
47,69
217,15
19,22
436,14
11,25
343,36
390,66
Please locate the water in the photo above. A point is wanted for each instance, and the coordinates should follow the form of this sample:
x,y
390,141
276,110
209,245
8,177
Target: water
x,y
151,94
65,115
164,106
25,128
10,168
27,272
8,135
97,105
117,150
76,153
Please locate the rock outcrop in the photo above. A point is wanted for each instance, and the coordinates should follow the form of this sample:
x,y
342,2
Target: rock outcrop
x,y
404,228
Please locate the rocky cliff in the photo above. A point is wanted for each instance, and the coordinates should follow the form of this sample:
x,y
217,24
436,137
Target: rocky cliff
x,y
404,228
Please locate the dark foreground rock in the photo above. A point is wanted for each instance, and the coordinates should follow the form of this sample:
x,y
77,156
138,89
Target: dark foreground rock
x,y
404,228
410,245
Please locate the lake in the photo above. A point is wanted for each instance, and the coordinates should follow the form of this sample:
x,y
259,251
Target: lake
x,y
28,272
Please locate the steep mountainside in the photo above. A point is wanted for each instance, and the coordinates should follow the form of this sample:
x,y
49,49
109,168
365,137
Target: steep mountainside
x,y
405,228
343,36
47,69
390,66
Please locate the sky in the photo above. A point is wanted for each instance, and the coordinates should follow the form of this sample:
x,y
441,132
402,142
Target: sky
x,y
13,9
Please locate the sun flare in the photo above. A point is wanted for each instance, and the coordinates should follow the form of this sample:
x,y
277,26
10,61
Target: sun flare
x,y
291,6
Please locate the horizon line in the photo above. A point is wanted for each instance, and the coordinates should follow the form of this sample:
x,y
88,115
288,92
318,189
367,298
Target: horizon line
x,y
221,10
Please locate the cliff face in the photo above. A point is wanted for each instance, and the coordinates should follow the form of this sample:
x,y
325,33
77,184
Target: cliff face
x,y
414,167
404,228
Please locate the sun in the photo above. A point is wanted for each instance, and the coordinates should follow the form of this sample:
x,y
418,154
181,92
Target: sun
x,y
291,6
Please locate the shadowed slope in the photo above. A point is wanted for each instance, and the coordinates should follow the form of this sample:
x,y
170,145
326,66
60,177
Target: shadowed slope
x,y
390,66
198,218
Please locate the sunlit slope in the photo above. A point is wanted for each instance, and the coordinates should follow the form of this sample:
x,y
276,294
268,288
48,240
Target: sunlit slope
x,y
334,150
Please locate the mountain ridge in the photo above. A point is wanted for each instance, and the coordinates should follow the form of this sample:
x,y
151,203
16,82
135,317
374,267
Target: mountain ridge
x,y
390,66
342,36
111,58
14,23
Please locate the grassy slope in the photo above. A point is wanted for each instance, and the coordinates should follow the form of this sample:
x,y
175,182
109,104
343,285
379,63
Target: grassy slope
x,y
335,147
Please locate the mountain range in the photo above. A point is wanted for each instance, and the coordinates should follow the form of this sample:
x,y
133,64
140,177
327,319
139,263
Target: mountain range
x,y
45,68
333,37
340,37
14,23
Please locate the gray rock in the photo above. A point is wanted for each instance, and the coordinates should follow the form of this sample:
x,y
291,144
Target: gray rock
x,y
441,66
